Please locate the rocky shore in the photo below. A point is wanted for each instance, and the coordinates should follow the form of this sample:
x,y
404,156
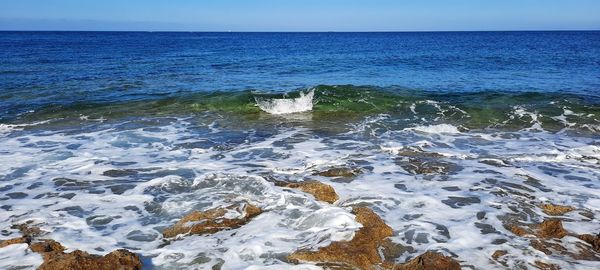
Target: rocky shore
x,y
370,247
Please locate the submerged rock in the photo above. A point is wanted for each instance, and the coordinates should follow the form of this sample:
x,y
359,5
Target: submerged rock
x,y
360,252
593,240
556,210
213,220
430,261
550,228
418,161
553,229
340,172
320,191
365,250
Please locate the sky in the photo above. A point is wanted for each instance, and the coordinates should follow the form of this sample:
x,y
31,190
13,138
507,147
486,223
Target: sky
x,y
299,15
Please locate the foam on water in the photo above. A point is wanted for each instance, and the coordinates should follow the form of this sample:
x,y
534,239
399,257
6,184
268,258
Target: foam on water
x,y
441,128
287,105
119,185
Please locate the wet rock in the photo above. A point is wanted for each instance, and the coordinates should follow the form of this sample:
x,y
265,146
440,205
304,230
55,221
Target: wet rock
x,y
497,256
556,210
320,191
213,220
587,214
28,231
16,195
499,253
391,250
593,240
458,202
360,252
56,259
430,261
19,240
546,266
417,161
120,173
47,246
340,172
551,228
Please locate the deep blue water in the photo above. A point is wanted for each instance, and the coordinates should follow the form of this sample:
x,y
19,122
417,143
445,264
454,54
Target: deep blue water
x,y
48,68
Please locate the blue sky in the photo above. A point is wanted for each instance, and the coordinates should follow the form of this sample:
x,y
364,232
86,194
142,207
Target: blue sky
x,y
300,15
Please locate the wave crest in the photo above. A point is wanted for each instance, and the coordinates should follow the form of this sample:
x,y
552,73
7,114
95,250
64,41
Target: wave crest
x,y
303,103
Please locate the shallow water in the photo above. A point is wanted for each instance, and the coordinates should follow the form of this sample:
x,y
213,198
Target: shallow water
x,y
444,169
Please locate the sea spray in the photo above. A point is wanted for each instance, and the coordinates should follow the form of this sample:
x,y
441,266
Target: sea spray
x,y
303,103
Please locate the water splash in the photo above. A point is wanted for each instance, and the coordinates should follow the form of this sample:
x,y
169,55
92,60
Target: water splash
x,y
303,103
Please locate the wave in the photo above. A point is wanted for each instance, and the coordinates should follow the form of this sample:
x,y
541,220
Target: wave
x,y
303,103
329,104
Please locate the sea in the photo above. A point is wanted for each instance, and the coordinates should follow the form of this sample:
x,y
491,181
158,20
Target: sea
x,y
108,138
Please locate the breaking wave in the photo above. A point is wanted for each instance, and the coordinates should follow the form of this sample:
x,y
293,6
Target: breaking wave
x,y
303,103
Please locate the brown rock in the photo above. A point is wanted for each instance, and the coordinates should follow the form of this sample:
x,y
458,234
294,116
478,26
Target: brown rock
x,y
520,231
120,259
320,191
551,228
360,252
212,221
19,240
391,250
556,210
546,266
593,240
28,231
340,172
430,261
47,246
499,253
56,259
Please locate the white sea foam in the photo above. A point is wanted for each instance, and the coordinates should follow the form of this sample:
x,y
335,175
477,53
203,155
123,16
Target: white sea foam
x,y
436,129
63,180
303,103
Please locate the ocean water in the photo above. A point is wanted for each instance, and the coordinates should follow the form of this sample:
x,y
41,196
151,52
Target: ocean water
x,y
108,138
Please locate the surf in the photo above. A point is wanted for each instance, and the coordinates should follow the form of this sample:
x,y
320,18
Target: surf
x,y
303,103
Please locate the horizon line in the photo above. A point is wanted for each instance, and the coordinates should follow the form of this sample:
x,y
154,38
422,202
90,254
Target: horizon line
x,y
267,31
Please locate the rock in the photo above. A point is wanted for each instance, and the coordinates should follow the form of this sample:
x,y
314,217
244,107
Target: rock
x,y
546,266
360,252
213,220
79,260
320,191
56,259
593,240
556,210
340,172
391,250
46,246
551,228
430,261
19,240
28,231
499,253
418,161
